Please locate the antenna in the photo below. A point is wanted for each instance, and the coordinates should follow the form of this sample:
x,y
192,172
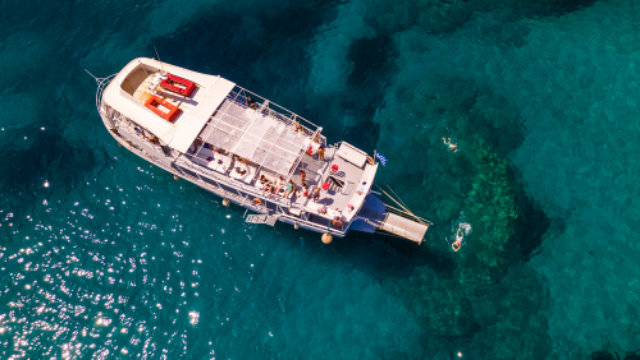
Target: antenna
x,y
95,78
158,55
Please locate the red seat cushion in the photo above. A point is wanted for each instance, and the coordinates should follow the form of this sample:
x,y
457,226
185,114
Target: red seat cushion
x,y
325,186
334,168
168,84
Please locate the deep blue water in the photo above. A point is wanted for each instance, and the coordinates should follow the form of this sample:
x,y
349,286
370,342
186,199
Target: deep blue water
x,y
115,259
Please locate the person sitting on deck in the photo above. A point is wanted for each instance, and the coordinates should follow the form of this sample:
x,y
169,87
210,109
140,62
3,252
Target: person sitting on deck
x,y
321,153
250,102
289,189
263,179
458,243
278,185
305,189
154,140
295,126
194,147
140,132
303,176
267,187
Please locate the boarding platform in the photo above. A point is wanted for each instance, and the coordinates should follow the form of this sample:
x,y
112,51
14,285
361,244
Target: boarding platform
x,y
376,215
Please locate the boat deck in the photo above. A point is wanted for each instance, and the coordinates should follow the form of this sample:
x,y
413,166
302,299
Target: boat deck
x,y
219,167
222,138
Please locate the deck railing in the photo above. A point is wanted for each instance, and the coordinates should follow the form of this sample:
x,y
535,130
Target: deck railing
x,y
239,95
102,84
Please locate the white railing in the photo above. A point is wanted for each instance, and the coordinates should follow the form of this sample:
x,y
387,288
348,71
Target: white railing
x,y
102,84
314,225
239,95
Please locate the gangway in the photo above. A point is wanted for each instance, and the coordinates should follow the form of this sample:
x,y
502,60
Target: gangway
x,y
262,219
376,215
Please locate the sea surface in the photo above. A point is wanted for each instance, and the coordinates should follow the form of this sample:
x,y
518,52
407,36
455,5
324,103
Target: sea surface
x,y
103,256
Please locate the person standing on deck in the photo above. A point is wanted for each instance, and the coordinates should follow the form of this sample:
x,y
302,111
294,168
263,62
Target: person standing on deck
x,y
303,176
321,153
316,194
288,190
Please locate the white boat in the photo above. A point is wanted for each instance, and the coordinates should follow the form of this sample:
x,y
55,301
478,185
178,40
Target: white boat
x,y
227,140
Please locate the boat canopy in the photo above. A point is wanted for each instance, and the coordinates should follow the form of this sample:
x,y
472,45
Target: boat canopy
x,y
256,135
196,110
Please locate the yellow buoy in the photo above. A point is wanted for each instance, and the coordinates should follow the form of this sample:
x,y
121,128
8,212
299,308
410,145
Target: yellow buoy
x,y
327,238
175,177
225,202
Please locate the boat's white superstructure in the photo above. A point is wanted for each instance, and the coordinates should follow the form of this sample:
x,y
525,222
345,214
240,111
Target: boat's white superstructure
x,y
247,150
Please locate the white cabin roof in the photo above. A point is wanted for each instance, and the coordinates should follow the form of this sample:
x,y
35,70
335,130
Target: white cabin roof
x,y
196,110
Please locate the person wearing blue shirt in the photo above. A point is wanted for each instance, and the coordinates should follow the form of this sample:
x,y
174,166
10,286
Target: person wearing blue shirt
x,y
250,102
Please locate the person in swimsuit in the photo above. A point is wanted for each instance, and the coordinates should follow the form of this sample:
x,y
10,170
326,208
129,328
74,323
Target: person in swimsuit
x,y
267,187
450,145
316,194
458,243
277,185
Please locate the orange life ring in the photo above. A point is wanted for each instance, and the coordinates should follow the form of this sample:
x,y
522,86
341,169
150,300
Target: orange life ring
x,y
257,201
371,161
338,222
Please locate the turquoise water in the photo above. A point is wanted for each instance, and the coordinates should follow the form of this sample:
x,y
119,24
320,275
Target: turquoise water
x,y
115,259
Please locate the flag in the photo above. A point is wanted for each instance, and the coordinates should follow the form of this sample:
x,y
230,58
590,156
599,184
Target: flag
x,y
383,159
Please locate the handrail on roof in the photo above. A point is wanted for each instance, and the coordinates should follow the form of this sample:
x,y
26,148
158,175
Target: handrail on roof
x,y
234,98
292,116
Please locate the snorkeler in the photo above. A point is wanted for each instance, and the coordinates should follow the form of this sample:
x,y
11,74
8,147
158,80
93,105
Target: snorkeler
x,y
450,145
458,243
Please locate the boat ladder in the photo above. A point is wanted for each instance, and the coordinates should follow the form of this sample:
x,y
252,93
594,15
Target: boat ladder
x,y
262,219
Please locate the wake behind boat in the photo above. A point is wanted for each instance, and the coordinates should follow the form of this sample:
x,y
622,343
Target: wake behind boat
x,y
247,150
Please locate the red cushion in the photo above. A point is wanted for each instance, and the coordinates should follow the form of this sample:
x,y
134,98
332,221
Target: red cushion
x,y
334,168
169,82
325,186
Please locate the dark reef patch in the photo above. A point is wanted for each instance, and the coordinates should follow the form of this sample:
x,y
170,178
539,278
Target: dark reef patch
x,y
25,170
604,355
482,188
371,59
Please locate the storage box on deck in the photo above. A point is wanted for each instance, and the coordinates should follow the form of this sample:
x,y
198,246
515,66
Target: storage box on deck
x,y
352,154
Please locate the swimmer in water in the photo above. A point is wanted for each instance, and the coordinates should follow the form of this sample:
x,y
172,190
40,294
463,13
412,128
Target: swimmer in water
x,y
450,145
458,243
